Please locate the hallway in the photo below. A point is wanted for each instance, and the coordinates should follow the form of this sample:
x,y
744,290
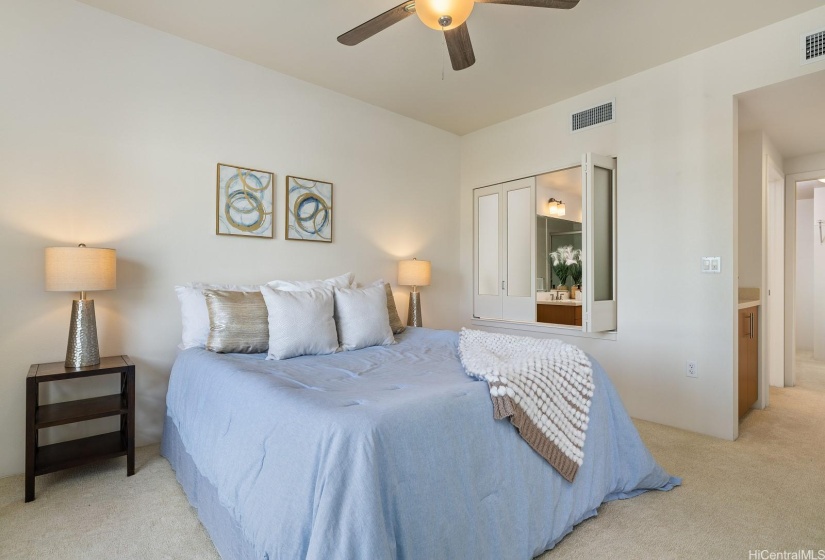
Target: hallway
x,y
810,374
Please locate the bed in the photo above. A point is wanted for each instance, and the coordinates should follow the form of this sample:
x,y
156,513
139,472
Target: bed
x,y
385,452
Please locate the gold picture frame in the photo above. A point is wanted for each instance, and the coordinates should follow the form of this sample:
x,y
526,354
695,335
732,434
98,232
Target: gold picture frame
x,y
245,202
309,210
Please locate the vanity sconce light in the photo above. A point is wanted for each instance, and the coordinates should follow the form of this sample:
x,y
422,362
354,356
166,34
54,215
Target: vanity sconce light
x,y
556,207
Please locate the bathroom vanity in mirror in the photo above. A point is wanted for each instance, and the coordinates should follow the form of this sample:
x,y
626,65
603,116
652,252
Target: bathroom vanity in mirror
x,y
563,312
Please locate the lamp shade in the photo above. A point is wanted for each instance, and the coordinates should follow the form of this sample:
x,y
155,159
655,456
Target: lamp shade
x,y
80,269
414,273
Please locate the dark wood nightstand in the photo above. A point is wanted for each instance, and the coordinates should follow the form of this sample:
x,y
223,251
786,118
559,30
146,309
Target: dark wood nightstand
x,y
50,458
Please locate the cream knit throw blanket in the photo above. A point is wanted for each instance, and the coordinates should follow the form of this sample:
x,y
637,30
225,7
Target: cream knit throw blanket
x,y
543,385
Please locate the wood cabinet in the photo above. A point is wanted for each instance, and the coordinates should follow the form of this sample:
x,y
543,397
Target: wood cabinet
x,y
748,358
559,314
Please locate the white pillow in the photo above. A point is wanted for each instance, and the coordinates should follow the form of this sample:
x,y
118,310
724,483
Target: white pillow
x,y
362,317
300,322
194,314
343,281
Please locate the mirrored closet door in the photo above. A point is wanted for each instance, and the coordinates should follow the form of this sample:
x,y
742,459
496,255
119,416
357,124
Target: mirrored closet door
x,y
600,242
544,248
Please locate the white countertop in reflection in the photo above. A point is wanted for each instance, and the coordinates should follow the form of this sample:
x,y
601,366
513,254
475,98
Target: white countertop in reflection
x,y
567,302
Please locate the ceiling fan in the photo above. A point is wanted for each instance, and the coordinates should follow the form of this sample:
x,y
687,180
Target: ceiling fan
x,y
449,16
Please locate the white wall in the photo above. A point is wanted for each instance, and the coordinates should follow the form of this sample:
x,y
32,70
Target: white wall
x,y
110,135
676,143
751,196
804,302
769,150
811,162
755,149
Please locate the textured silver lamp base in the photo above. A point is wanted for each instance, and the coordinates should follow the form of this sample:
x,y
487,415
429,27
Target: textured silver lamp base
x,y
82,349
414,312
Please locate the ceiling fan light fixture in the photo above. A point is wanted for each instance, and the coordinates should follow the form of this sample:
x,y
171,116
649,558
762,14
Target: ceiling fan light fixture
x,y
433,13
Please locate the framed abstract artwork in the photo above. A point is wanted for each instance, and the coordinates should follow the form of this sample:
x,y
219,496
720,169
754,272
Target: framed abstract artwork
x,y
308,210
245,202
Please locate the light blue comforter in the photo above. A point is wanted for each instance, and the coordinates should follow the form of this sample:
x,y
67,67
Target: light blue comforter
x,y
389,452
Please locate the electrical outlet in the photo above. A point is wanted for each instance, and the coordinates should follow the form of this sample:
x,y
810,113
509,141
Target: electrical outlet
x,y
692,370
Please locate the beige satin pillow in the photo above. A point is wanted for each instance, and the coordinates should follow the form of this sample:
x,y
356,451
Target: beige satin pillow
x,y
395,321
195,316
238,322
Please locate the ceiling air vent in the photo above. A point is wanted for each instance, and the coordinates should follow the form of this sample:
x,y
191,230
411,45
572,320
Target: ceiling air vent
x,y
813,46
601,114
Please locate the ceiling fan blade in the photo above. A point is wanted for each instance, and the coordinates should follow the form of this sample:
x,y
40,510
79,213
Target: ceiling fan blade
x,y
376,24
560,4
460,47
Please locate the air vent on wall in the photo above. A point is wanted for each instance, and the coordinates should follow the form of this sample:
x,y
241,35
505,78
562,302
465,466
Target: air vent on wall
x,y
601,114
813,46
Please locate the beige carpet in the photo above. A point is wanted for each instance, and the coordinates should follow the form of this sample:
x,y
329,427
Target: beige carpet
x,y
764,491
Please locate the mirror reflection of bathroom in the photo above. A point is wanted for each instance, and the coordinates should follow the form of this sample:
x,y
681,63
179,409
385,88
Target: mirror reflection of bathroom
x,y
558,247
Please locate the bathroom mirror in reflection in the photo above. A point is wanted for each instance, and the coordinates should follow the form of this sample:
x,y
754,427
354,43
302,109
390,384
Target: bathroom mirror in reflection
x,y
559,266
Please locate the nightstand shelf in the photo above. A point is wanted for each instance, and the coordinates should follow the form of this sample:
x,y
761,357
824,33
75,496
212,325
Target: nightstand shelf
x,y
58,456
76,411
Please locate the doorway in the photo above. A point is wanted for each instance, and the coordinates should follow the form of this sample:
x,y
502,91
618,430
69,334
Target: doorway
x,y
780,146
808,306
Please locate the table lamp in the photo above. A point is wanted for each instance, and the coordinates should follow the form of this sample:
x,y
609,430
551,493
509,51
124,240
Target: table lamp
x,y
414,273
81,269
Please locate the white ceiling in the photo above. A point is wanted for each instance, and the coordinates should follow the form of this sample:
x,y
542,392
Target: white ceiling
x,y
791,113
805,189
527,58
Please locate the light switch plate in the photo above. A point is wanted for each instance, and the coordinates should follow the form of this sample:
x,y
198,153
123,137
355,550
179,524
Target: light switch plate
x,y
711,265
